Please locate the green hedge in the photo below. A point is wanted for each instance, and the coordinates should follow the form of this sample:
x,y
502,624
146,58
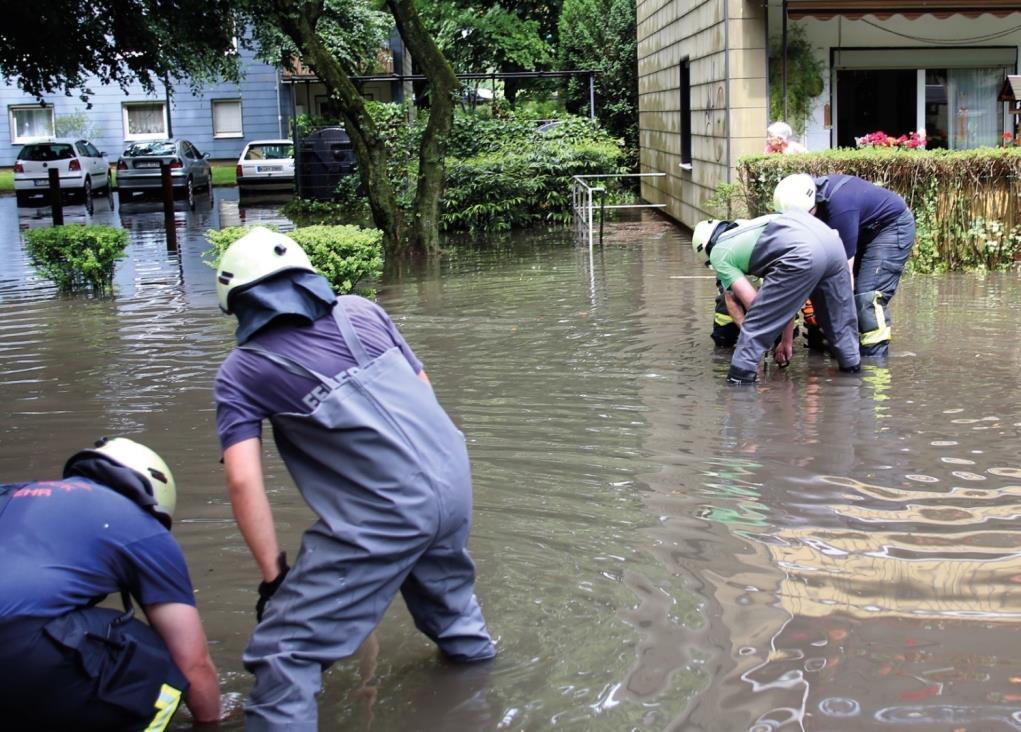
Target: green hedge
x,y
345,255
966,203
502,173
77,256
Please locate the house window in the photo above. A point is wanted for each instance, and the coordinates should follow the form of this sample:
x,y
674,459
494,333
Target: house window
x,y
145,121
227,118
686,114
30,122
950,92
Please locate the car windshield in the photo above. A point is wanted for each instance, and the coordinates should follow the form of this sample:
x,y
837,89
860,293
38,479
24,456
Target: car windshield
x,y
270,152
47,152
151,148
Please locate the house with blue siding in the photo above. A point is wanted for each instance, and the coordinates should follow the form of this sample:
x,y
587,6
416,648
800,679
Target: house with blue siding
x,y
218,118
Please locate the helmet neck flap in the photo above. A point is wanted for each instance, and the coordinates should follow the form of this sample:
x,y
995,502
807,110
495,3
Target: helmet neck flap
x,y
306,296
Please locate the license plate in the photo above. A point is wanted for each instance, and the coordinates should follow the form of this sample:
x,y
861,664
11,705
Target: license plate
x,y
40,182
268,168
147,164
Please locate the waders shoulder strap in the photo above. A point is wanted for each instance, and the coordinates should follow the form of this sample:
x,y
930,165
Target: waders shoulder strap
x,y
289,364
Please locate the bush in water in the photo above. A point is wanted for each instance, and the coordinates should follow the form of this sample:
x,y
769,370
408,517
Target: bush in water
x,y
345,255
77,256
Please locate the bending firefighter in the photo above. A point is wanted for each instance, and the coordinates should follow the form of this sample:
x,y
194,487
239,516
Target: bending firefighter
x,y
797,257
878,232
372,453
66,664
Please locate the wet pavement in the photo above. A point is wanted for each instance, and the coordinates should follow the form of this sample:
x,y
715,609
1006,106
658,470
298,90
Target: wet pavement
x,y
655,550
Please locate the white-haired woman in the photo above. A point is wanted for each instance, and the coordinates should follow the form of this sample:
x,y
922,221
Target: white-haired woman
x,y
778,139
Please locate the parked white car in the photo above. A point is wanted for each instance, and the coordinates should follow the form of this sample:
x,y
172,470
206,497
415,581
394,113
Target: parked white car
x,y
83,169
266,165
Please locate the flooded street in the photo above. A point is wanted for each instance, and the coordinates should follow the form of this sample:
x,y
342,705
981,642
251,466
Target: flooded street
x,y
655,550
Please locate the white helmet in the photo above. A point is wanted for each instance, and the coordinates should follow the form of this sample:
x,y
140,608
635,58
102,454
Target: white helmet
x,y
158,493
702,237
795,192
257,255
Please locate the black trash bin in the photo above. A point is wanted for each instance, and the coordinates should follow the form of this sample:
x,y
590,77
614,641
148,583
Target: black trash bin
x,y
323,158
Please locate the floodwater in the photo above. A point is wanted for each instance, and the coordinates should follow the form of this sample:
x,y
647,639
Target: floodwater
x,y
655,550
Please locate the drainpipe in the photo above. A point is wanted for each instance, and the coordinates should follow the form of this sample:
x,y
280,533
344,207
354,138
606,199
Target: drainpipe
x,y
170,117
726,86
784,41
592,94
280,116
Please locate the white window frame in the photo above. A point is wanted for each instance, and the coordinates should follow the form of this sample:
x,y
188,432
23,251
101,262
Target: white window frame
x,y
145,136
241,118
15,138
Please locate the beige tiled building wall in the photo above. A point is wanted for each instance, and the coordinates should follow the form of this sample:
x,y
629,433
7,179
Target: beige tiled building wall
x,y
724,42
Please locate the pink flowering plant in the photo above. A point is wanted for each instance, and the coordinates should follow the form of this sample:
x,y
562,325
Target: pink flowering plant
x,y
914,141
1011,140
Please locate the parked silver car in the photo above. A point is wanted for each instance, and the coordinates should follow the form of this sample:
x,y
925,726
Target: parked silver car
x,y
83,169
138,169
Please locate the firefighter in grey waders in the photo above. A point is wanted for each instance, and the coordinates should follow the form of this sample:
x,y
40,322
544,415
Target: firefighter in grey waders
x,y
373,454
797,257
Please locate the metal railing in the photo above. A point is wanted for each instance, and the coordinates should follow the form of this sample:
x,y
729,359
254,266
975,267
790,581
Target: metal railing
x,y
585,198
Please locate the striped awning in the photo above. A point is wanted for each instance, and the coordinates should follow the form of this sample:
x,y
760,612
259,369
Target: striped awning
x,y
1011,89
823,9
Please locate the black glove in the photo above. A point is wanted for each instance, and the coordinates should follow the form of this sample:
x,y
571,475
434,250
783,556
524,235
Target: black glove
x,y
268,589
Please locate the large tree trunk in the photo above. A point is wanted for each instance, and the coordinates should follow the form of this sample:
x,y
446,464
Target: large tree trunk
x,y
298,20
442,86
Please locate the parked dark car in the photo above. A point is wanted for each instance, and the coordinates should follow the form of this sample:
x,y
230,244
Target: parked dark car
x,y
138,169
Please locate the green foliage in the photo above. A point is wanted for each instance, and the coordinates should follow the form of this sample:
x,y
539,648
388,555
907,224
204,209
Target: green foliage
x,y
479,37
967,203
352,30
345,255
77,256
727,202
508,189
64,45
804,79
501,173
602,35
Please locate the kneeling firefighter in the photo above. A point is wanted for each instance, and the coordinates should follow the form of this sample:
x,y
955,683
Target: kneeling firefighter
x,y
797,257
877,230
373,454
66,664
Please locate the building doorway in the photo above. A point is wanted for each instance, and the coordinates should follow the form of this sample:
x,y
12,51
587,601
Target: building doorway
x,y
869,100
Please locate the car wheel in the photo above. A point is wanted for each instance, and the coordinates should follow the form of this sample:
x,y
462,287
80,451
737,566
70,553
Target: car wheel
x,y
87,191
190,191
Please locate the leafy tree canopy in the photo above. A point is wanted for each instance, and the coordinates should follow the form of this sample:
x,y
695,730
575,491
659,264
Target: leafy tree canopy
x,y
57,45
353,31
601,35
481,36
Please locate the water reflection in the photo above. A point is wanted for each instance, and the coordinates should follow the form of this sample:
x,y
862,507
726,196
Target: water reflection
x,y
655,550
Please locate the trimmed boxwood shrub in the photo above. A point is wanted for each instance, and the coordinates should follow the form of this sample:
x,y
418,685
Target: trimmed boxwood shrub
x,y
345,255
967,203
77,256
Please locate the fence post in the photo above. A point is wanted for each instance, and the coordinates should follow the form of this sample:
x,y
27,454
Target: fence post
x,y
168,205
56,205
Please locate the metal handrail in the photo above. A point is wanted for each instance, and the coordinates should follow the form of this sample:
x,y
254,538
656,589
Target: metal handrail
x,y
583,205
